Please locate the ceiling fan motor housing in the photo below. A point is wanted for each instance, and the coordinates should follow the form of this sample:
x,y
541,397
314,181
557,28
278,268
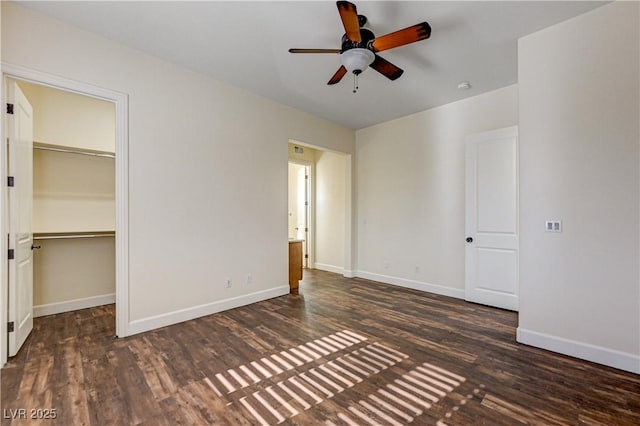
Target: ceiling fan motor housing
x,y
366,35
356,56
362,20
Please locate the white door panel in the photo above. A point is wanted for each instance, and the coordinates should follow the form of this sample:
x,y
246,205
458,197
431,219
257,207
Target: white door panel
x,y
491,218
25,296
496,270
496,188
20,131
301,206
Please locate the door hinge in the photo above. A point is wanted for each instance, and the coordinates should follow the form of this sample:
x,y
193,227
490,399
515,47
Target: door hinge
x,y
306,256
306,229
10,327
11,181
306,203
11,254
9,108
306,176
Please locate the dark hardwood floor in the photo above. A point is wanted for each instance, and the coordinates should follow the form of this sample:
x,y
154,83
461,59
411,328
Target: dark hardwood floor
x,y
342,352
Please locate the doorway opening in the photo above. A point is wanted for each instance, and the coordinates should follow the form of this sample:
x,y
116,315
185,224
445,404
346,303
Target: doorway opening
x,y
75,188
63,209
320,206
300,207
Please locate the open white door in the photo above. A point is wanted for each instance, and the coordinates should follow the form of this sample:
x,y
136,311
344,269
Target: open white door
x,y
301,203
20,166
303,212
491,218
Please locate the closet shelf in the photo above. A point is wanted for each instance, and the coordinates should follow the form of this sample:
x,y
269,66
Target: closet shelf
x,y
69,150
72,234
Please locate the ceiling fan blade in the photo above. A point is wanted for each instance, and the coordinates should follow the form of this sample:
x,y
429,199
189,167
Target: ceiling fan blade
x,y
349,16
399,38
314,50
338,75
386,68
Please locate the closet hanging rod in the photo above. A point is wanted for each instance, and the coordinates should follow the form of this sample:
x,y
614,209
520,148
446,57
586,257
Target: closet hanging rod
x,y
68,237
73,151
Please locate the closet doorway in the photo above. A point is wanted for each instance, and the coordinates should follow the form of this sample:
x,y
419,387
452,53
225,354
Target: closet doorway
x,y
66,206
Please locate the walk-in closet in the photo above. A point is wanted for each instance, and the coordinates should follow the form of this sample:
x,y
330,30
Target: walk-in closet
x,y
73,200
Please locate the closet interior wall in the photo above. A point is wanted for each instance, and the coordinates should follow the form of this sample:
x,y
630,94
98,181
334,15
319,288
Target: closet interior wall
x,y
74,200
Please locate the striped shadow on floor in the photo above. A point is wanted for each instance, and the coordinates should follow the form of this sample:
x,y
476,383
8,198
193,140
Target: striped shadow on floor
x,y
283,385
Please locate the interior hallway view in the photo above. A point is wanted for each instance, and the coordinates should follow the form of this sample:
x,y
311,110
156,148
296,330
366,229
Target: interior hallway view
x,y
343,352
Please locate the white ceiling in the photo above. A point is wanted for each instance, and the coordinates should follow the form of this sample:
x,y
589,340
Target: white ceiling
x,y
246,43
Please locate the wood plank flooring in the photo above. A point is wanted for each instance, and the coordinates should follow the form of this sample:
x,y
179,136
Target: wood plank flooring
x,y
342,352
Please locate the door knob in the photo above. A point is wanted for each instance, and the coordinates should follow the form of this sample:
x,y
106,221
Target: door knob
x,y
35,247
469,239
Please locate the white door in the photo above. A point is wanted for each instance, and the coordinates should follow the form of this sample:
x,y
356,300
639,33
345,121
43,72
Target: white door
x,y
293,201
301,204
20,165
302,226
491,218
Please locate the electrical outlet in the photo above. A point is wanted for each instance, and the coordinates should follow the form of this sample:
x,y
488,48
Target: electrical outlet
x,y
229,282
553,226
249,279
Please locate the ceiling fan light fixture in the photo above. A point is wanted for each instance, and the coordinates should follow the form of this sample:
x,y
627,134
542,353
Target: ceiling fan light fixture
x,y
357,60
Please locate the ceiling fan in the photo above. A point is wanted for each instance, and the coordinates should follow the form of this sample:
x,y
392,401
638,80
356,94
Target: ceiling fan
x,y
360,45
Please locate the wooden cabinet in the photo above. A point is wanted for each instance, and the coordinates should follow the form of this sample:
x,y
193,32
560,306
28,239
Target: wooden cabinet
x,y
295,265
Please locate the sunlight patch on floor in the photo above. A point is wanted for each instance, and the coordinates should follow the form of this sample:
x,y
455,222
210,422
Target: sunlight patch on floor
x,y
354,359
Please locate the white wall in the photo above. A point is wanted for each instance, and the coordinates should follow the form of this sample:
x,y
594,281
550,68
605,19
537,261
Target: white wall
x,y
307,155
70,274
579,147
330,211
72,193
208,191
410,191
71,120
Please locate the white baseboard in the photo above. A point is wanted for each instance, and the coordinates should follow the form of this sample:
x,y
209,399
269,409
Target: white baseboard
x,y
609,357
175,317
348,274
416,285
329,268
73,305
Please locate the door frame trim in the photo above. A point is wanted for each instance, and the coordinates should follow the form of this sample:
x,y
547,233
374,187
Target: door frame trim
x,y
121,103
